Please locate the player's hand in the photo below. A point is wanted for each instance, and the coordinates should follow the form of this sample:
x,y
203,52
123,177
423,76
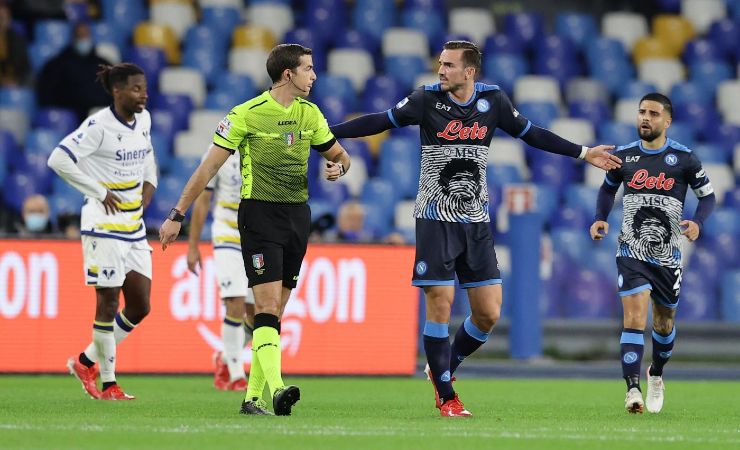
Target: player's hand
x,y
690,229
600,157
168,232
599,230
194,259
333,170
110,203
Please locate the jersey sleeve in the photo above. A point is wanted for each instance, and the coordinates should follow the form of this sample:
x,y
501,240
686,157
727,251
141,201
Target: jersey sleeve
x,y
409,111
230,132
322,133
613,178
84,141
509,118
697,178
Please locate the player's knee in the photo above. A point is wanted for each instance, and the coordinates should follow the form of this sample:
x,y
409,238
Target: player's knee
x,y
663,326
486,321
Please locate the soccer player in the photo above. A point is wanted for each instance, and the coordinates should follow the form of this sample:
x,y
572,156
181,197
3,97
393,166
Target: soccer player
x,y
656,173
232,281
110,159
273,133
457,117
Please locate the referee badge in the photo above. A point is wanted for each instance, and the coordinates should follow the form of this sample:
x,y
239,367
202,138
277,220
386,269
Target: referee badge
x,y
289,137
258,262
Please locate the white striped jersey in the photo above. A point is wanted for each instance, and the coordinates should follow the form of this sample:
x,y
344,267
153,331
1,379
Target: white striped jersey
x,y
226,186
115,154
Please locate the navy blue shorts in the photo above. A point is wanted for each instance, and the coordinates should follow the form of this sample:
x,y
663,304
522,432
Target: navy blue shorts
x,y
444,249
636,276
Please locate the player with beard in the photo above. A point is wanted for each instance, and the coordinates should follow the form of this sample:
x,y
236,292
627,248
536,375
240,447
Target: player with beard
x,y
457,118
656,174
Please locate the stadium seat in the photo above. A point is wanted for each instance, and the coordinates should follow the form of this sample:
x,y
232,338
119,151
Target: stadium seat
x,y
148,34
355,64
689,92
500,43
178,106
42,140
710,74
358,149
39,53
537,88
405,69
59,119
702,49
682,132
178,16
508,151
240,87
581,197
374,17
336,193
571,218
205,121
253,36
617,133
381,92
185,81
356,178
505,69
635,89
192,144
596,112
580,131
731,199
730,296
476,22
305,37
208,62
713,152
250,62
334,107
379,218
652,47
221,20
202,38
526,27
722,178
56,33
586,89
18,186
167,123
14,121
553,170
19,98
429,21
578,27
590,295
700,118
722,220
404,215
404,41
278,18
405,179
540,113
547,199
674,31
701,13
663,73
162,150
329,85
706,263
151,60
124,15
328,21
108,51
502,174
725,34
379,191
627,27
698,300
574,243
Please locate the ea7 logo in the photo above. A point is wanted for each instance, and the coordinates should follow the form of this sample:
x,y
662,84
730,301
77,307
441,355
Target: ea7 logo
x,y
632,158
442,106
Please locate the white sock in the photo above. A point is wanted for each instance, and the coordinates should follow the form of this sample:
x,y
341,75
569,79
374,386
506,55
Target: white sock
x,y
232,334
105,345
119,334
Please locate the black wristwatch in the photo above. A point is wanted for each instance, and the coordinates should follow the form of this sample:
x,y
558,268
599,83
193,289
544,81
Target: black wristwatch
x,y
175,215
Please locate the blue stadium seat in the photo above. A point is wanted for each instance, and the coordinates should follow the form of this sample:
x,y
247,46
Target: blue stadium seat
x,y
604,48
42,140
334,107
18,186
572,217
164,123
603,259
109,32
358,148
590,295
381,92
179,106
206,38
20,98
162,150
616,133
502,174
62,188
404,150
682,132
39,53
698,299
595,111
730,296
56,33
378,191
221,101
713,152
724,245
560,69
728,133
702,49
539,113
405,69
505,69
405,179
427,20
707,264
687,92
525,27
210,62
439,5
500,43
723,220
222,20
578,27
66,204
151,60
550,298
547,199
336,86
379,218
555,45
699,117
710,73
725,34
436,44
124,14
614,73
59,119
581,197
732,198
336,193
575,243
635,89
374,16
553,170
308,38
327,21
671,6
241,87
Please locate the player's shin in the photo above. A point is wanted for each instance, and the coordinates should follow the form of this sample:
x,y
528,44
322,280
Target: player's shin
x,y
662,350
467,340
122,327
266,342
632,343
232,334
105,346
437,349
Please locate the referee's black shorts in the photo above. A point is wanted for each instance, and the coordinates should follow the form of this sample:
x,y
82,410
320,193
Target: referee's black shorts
x,y
274,237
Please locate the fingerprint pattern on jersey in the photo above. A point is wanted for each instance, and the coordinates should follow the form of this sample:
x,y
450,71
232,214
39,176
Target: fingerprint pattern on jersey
x,y
462,196
650,230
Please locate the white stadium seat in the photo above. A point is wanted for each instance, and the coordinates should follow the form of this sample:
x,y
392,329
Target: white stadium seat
x,y
580,131
205,120
405,41
474,22
250,62
508,151
701,13
277,18
192,144
353,63
16,122
537,88
176,15
663,73
625,111
183,80
404,215
626,27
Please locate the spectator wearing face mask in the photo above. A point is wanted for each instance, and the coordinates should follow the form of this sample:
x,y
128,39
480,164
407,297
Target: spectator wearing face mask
x,y
350,225
68,79
34,217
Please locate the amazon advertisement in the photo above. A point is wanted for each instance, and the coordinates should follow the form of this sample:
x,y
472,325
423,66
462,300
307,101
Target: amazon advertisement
x,y
354,311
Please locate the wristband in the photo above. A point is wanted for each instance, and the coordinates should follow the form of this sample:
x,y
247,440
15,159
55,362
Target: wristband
x,y
341,169
175,215
584,150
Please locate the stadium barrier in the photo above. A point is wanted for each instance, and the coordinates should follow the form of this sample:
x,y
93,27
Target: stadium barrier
x,y
354,311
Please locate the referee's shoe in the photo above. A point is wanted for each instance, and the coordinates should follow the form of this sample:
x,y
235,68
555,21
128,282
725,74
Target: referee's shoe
x,y
284,398
256,406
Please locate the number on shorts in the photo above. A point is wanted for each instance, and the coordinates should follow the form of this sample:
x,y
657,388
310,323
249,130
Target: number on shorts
x,y
677,285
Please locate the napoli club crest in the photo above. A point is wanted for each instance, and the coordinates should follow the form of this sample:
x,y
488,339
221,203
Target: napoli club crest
x,y
671,159
482,105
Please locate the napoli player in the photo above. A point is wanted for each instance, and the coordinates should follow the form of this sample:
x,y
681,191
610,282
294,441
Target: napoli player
x,y
656,175
457,117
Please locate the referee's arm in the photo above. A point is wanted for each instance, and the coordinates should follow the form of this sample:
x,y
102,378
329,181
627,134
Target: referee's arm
x,y
338,161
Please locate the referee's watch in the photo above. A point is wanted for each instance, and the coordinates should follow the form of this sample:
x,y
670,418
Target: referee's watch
x,y
176,216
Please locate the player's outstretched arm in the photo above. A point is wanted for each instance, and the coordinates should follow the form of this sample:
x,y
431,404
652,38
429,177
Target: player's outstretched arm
x,y
197,220
207,169
365,125
600,157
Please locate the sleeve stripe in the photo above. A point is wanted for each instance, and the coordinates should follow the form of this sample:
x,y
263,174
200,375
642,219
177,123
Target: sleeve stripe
x,y
393,119
610,182
69,152
529,124
227,149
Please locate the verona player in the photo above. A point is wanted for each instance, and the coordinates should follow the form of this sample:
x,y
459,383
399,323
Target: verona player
x,y
273,133
110,159
232,282
457,118
656,174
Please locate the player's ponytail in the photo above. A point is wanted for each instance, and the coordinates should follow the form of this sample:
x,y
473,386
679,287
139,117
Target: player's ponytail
x,y
110,76
102,75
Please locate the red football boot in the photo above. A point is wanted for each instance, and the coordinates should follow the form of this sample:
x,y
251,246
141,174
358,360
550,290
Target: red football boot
x,y
115,393
240,384
454,408
221,374
86,375
428,372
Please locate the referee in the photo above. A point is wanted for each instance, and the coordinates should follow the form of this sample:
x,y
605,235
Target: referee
x,y
272,133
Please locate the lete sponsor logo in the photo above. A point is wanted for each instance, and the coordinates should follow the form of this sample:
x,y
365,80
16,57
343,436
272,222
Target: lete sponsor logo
x,y
642,180
455,130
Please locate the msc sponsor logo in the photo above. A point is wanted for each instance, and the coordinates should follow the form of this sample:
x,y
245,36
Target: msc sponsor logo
x,y
455,130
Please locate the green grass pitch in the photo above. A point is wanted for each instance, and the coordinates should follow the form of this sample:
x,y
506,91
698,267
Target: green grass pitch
x,y
51,412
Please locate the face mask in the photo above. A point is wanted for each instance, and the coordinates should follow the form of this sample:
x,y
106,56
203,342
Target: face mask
x,y
36,221
84,46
